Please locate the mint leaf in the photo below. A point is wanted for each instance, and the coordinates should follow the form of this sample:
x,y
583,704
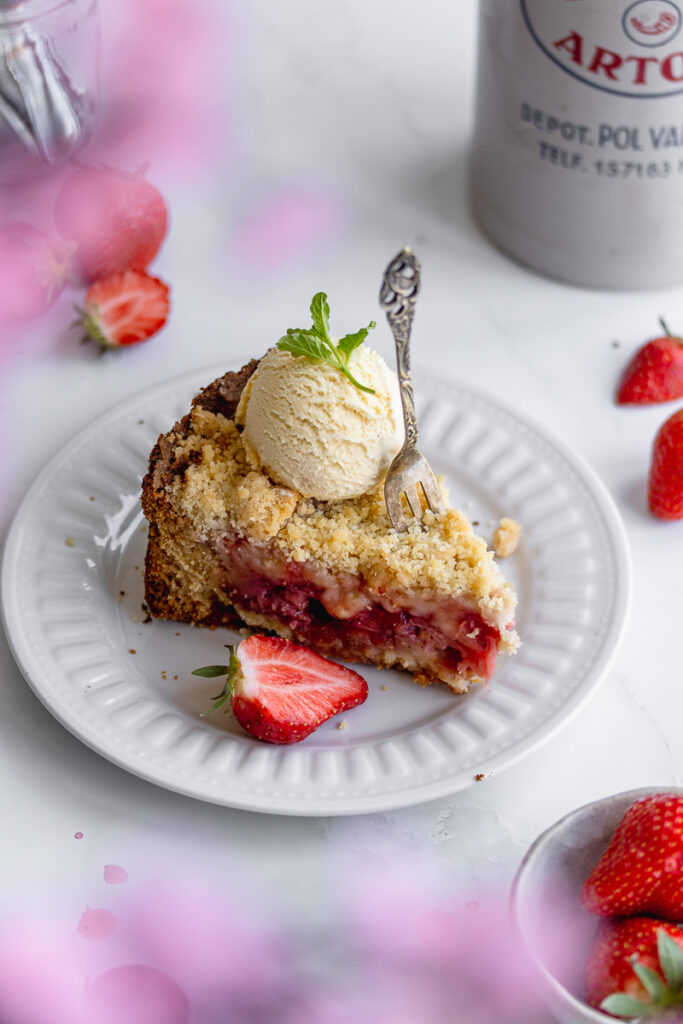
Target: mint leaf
x,y
316,343
305,343
671,959
621,1005
320,313
350,342
211,671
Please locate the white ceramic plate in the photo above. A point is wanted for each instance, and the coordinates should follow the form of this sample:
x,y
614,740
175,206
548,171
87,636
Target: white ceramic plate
x,y
72,593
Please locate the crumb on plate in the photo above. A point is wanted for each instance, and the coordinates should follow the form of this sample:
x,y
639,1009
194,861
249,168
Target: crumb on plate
x,y
506,538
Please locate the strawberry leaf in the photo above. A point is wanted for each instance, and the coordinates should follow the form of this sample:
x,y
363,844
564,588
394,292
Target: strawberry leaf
x,y
651,982
212,671
320,314
305,343
220,699
621,1005
671,960
350,342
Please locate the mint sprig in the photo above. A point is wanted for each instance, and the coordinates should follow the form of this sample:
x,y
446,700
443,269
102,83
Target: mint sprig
x,y
315,342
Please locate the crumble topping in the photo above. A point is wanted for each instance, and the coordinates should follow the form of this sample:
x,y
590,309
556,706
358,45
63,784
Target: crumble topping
x,y
222,484
221,489
506,538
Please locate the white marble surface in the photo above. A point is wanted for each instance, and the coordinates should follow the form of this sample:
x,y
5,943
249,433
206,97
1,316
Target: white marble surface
x,y
367,108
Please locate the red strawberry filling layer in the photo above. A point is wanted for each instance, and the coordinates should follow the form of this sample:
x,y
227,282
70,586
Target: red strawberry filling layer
x,y
444,638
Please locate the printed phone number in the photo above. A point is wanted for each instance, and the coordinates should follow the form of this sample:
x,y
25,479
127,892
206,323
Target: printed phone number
x,y
634,169
573,160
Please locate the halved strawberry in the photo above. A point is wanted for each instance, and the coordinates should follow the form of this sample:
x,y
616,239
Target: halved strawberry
x,y
641,871
125,309
115,221
281,692
635,969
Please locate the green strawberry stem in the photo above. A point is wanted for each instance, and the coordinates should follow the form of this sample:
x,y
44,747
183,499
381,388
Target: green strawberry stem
x,y
665,994
666,330
91,327
213,671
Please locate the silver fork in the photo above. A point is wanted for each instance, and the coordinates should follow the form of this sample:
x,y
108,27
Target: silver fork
x,y
409,471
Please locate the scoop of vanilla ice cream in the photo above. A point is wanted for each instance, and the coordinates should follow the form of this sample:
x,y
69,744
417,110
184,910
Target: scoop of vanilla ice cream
x,y
315,431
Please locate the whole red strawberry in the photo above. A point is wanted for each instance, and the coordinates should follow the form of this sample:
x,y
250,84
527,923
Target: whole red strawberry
x,y
665,486
281,692
641,871
125,309
115,221
635,968
655,374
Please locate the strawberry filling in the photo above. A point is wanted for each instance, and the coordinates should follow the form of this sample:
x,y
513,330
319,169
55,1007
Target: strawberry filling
x,y
445,639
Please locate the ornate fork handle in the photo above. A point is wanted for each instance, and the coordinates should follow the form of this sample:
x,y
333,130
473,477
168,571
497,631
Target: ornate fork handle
x,y
397,297
410,480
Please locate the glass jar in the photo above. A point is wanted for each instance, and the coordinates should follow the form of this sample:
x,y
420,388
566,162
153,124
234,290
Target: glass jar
x,y
577,165
48,82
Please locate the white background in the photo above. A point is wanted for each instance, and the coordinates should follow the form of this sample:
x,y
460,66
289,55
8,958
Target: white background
x,y
369,106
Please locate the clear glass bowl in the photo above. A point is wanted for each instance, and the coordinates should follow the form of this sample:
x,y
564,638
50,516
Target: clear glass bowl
x,y
48,82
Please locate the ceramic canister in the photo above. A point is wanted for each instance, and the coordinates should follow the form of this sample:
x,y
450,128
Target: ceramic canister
x,y
577,164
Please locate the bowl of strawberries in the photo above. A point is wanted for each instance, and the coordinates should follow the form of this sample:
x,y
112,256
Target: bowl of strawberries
x,y
598,902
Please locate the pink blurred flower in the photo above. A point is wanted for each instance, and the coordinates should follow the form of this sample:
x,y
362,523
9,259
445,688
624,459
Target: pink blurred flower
x,y
137,995
429,947
287,224
162,88
38,982
96,924
405,951
204,941
33,271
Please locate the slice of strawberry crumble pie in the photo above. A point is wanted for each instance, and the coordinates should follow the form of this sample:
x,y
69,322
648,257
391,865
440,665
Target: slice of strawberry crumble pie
x,y
231,544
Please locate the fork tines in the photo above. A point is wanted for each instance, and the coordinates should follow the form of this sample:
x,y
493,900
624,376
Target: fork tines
x,y
410,472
